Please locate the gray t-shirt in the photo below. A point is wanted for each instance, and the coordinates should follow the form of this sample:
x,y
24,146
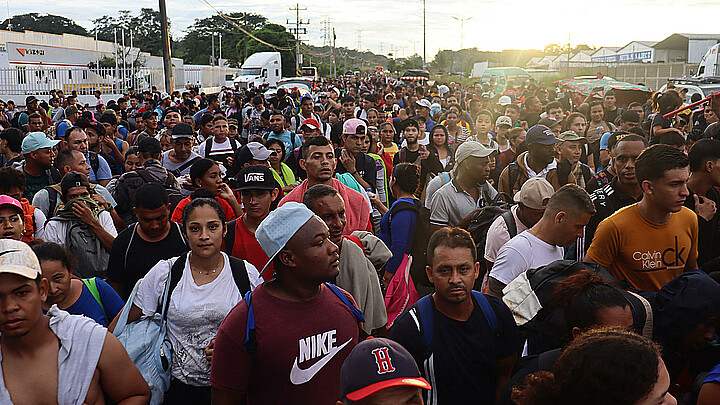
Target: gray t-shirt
x,y
170,165
450,205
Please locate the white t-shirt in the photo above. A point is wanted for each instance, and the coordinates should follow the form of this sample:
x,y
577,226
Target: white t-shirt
x,y
56,231
498,234
217,148
523,252
194,314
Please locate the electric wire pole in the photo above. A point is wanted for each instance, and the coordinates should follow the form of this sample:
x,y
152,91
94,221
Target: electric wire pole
x,y
165,36
298,30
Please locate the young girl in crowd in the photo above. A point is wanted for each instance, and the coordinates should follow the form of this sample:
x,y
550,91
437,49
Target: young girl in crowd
x,y
206,174
93,297
282,172
662,104
204,295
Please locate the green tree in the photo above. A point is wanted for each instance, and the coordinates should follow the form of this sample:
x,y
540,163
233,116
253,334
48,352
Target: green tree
x,y
196,46
145,28
413,62
277,35
53,24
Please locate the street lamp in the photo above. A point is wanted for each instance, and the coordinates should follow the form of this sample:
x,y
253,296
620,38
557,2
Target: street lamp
x,y
462,31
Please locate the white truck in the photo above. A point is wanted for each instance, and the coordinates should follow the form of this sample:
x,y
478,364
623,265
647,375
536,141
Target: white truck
x,y
709,64
260,68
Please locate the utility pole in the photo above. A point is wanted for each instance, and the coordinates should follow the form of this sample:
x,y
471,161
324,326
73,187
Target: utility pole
x,y
414,42
334,65
165,36
220,48
424,39
212,45
124,54
298,30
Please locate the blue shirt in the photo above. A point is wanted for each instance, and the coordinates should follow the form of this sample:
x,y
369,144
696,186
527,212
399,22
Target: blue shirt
x,y
87,304
61,128
286,138
103,173
199,114
403,230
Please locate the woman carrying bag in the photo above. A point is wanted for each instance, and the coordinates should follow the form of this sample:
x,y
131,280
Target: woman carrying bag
x,y
203,286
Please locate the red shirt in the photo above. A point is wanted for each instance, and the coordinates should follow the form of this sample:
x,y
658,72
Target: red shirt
x,y
246,247
282,369
227,209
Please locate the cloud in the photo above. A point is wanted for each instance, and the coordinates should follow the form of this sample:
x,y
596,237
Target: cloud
x,y
495,24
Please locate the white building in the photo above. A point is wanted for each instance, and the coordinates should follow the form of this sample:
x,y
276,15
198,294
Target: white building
x,y
635,51
688,48
605,54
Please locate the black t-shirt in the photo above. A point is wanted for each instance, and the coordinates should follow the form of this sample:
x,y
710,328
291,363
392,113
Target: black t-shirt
x,y
128,265
464,354
611,116
607,199
708,233
364,164
336,133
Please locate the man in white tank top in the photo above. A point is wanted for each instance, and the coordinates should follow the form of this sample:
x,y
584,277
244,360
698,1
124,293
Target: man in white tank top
x,y
56,358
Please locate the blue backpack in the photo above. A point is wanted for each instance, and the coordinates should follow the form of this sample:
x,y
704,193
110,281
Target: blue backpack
x,y
426,319
250,342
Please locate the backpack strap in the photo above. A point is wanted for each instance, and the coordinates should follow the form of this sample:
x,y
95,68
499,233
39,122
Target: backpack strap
x,y
250,341
208,146
487,311
127,250
230,237
53,199
514,173
185,165
233,144
355,240
240,275
91,284
426,322
176,272
357,313
510,223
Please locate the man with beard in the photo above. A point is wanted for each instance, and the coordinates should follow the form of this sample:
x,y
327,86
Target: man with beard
x,y
538,161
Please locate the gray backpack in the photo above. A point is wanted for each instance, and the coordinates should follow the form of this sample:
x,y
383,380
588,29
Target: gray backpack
x,y
92,257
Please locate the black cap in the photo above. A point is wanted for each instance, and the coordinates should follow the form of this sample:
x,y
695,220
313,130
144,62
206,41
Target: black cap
x,y
73,179
256,177
30,99
149,145
148,114
542,135
377,364
182,130
85,123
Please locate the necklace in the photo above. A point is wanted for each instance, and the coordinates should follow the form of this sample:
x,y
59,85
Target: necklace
x,y
206,273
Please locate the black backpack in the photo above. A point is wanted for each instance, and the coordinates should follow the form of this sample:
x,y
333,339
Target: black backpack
x,y
421,238
480,223
174,195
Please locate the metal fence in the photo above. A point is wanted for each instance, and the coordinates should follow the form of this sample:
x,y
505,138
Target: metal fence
x,y
21,80
653,75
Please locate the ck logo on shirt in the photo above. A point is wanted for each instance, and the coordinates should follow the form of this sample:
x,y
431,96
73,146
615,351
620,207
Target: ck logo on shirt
x,y
321,345
383,360
670,258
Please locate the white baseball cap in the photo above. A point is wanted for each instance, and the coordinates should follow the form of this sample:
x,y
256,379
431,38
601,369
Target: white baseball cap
x,y
17,258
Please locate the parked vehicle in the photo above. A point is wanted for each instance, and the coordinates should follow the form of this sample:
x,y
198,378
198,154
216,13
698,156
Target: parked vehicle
x,y
261,68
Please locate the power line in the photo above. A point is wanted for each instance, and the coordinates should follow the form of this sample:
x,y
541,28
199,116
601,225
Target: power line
x,y
298,31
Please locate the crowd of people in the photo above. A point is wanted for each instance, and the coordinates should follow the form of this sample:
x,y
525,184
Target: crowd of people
x,y
367,242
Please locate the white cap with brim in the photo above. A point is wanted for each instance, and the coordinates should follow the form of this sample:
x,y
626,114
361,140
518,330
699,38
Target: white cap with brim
x,y
279,227
17,258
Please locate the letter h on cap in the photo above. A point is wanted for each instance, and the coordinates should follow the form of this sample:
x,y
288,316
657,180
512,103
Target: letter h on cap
x,y
383,360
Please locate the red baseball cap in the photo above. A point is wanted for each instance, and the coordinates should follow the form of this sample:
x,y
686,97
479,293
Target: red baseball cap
x,y
310,122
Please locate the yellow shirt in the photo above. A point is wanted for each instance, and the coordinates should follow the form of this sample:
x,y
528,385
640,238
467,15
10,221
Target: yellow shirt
x,y
391,150
646,254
